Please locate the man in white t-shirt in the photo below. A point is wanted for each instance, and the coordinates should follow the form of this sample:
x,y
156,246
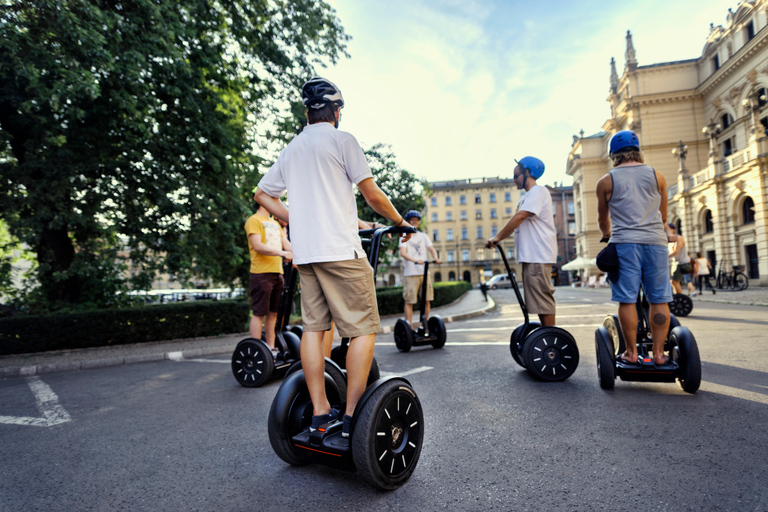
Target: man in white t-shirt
x,y
414,253
535,239
319,169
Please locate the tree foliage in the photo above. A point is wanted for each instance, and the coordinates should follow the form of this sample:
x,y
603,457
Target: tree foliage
x,y
126,132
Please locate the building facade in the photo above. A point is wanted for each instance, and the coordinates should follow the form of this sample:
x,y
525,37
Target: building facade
x,y
462,214
702,124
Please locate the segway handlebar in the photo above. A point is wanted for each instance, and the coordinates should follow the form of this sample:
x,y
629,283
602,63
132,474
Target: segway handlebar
x,y
372,238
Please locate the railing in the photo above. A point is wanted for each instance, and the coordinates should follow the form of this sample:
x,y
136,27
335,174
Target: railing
x,y
736,160
702,176
671,191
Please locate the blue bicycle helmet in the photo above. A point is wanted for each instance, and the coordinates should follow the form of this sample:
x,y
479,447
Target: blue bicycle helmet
x,y
533,165
624,140
411,214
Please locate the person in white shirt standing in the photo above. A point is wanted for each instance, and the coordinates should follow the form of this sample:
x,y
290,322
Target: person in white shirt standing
x,y
414,253
535,239
319,169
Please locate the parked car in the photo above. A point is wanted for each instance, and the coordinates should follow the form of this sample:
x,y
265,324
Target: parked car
x,y
499,281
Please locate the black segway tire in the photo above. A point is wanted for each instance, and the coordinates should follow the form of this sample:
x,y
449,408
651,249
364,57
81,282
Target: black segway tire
x,y
517,340
373,374
681,305
331,368
252,363
403,336
339,356
606,364
611,324
387,435
673,322
550,354
437,329
291,413
686,354
297,330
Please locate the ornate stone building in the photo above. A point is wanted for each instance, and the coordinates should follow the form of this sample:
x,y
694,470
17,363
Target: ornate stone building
x,y
702,124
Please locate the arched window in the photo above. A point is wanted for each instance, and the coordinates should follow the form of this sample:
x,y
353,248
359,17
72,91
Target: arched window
x,y
451,275
391,280
762,97
679,224
467,276
748,211
708,226
726,120
438,277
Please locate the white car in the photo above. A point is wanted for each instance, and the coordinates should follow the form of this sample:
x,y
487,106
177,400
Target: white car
x,y
499,281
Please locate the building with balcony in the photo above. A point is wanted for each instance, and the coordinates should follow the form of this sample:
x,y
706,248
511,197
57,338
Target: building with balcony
x,y
702,124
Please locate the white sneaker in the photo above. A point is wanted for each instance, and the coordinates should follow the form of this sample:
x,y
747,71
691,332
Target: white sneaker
x,y
694,294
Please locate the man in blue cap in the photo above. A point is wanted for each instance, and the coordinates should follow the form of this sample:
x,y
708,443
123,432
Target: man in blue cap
x,y
535,239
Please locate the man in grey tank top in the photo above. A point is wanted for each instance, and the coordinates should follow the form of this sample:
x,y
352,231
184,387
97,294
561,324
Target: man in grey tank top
x,y
632,213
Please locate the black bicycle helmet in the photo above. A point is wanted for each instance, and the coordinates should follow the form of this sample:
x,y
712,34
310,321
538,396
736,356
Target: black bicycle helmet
x,y
318,91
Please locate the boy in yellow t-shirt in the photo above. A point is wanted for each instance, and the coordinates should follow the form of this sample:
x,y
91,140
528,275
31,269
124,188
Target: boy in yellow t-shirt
x,y
268,245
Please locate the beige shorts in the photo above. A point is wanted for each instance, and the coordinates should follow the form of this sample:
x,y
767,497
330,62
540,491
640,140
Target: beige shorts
x,y
537,286
412,289
342,291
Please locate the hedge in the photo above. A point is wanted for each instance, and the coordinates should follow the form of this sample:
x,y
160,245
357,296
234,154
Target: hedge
x,y
40,333
391,299
158,322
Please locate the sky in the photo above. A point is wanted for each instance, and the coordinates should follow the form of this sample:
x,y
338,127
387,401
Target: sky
x,y
460,88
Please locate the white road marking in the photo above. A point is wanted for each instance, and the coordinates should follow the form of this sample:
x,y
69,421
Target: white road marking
x,y
47,403
409,372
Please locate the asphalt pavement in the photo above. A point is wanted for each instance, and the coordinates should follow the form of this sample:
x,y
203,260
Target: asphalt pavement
x,y
467,306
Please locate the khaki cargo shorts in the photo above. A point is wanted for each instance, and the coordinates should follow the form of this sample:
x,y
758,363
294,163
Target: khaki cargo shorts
x,y
342,291
538,289
412,289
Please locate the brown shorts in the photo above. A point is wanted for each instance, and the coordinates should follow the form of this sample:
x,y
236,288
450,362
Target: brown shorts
x,y
342,291
265,292
537,286
412,289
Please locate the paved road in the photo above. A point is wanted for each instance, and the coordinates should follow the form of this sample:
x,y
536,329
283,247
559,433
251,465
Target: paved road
x,y
182,435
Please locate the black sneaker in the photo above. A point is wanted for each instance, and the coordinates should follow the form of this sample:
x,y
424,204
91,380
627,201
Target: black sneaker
x,y
322,419
347,426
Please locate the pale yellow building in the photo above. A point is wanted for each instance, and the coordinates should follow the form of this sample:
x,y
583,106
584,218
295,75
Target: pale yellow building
x,y
702,124
460,216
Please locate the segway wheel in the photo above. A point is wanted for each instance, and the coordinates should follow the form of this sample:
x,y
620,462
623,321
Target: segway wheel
x,y
673,322
611,324
551,354
606,368
373,374
339,356
681,305
403,336
685,353
252,363
517,340
331,369
437,329
297,330
387,435
291,413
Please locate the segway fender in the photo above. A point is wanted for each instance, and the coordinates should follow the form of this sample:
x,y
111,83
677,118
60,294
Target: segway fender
x,y
291,387
294,344
606,340
373,387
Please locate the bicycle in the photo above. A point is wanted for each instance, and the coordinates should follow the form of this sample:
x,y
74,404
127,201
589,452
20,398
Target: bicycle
x,y
733,280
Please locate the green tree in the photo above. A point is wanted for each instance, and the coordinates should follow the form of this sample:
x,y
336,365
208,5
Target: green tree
x,y
126,132
402,187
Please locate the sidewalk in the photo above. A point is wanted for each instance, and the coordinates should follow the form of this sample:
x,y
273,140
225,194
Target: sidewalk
x,y
469,305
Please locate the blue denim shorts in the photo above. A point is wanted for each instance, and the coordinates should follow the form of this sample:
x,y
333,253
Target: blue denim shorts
x,y
642,264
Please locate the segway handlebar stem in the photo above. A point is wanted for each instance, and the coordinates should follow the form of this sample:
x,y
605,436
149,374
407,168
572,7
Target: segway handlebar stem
x,y
512,278
373,237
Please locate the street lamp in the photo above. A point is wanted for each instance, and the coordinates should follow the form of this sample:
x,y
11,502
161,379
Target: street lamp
x,y
752,105
681,151
712,130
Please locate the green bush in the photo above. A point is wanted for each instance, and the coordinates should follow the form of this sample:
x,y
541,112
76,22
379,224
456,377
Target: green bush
x,y
390,300
40,333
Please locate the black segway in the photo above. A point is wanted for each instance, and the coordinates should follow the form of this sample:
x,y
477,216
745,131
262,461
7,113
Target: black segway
x,y
387,431
252,361
684,362
681,305
548,353
434,334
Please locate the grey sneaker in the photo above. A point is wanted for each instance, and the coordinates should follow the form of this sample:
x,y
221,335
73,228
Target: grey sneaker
x,y
322,419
